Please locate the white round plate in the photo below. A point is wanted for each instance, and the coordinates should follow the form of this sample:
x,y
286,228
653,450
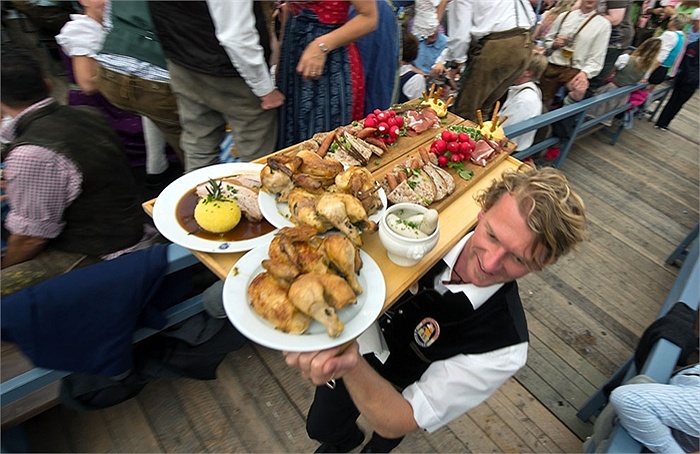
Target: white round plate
x,y
357,318
165,209
277,214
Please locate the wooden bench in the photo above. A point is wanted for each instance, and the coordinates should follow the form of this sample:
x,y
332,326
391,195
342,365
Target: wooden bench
x,y
27,391
581,123
662,358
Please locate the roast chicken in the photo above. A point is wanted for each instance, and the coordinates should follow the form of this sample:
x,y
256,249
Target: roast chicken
x,y
319,295
346,214
306,276
268,296
321,194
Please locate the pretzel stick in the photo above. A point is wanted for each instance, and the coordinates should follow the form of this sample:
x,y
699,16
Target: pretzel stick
x,y
425,96
432,91
494,117
479,118
449,101
503,120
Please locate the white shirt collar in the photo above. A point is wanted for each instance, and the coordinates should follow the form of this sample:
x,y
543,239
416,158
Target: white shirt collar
x,y
477,295
8,132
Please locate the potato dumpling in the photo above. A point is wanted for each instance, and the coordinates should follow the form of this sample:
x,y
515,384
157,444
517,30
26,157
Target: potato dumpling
x,y
217,215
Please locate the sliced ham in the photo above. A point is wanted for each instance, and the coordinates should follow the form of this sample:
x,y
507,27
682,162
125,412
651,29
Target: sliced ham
x,y
483,153
422,121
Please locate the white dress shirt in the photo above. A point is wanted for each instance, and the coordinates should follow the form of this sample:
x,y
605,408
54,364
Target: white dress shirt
x,y
451,387
234,22
523,102
470,20
415,86
590,45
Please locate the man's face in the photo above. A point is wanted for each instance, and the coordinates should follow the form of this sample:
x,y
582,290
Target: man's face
x,y
499,249
588,5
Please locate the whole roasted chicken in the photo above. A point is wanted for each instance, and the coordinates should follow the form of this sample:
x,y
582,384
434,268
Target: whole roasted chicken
x,y
306,277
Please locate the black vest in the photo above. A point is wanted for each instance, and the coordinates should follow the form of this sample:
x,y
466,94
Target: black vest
x,y
133,33
188,36
106,217
402,81
430,327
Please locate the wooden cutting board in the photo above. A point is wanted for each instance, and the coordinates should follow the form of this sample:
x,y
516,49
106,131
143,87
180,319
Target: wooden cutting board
x,y
461,185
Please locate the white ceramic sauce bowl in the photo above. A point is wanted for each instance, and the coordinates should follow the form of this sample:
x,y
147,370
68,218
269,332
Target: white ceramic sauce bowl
x,y
402,250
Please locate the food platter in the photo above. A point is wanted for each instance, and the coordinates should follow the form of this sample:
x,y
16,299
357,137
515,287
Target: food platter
x,y
357,318
277,214
165,210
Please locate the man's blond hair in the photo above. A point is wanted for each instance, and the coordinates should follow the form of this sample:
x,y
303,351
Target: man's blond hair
x,y
538,63
554,212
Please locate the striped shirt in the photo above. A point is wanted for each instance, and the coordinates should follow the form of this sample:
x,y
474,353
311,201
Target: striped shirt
x,y
651,411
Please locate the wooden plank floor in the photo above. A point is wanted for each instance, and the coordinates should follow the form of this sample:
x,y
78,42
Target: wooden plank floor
x,y
585,315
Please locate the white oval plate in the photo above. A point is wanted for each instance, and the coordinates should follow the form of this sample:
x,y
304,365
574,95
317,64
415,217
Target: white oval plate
x,y
165,209
357,318
277,214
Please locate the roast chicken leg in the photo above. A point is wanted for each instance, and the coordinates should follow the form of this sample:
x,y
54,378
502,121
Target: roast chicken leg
x,y
319,295
269,299
345,258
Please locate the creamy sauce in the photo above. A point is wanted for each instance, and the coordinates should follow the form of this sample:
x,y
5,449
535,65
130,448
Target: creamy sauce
x,y
245,229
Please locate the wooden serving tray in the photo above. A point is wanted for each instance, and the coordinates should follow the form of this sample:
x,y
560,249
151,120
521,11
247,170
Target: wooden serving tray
x,y
461,185
401,147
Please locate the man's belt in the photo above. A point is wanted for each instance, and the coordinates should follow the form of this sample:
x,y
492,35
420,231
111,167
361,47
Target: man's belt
x,y
513,32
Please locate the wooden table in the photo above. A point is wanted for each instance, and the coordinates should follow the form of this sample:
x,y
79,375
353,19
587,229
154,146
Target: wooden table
x,y
458,214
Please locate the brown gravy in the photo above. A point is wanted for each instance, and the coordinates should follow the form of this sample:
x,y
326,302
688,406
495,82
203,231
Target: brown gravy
x,y
245,229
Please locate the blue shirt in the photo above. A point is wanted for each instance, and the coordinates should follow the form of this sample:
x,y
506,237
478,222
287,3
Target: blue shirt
x,y
428,53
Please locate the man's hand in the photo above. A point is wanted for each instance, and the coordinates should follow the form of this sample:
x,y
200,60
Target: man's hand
x,y
438,70
325,365
577,86
559,42
21,248
272,100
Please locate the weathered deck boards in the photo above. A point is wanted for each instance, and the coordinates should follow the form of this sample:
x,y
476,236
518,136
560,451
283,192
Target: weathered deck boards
x,y
585,316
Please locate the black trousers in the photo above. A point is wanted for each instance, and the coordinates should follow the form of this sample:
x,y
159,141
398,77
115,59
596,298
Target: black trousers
x,y
333,417
680,95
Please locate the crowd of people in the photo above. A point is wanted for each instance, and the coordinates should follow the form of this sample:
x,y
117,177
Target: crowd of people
x,y
275,74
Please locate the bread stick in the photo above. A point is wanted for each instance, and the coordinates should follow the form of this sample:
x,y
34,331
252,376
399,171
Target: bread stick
x,y
502,120
449,101
494,117
432,90
479,119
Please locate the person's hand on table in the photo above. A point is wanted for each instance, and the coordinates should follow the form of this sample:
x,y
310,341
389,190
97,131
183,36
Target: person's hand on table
x,y
438,70
323,366
272,100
